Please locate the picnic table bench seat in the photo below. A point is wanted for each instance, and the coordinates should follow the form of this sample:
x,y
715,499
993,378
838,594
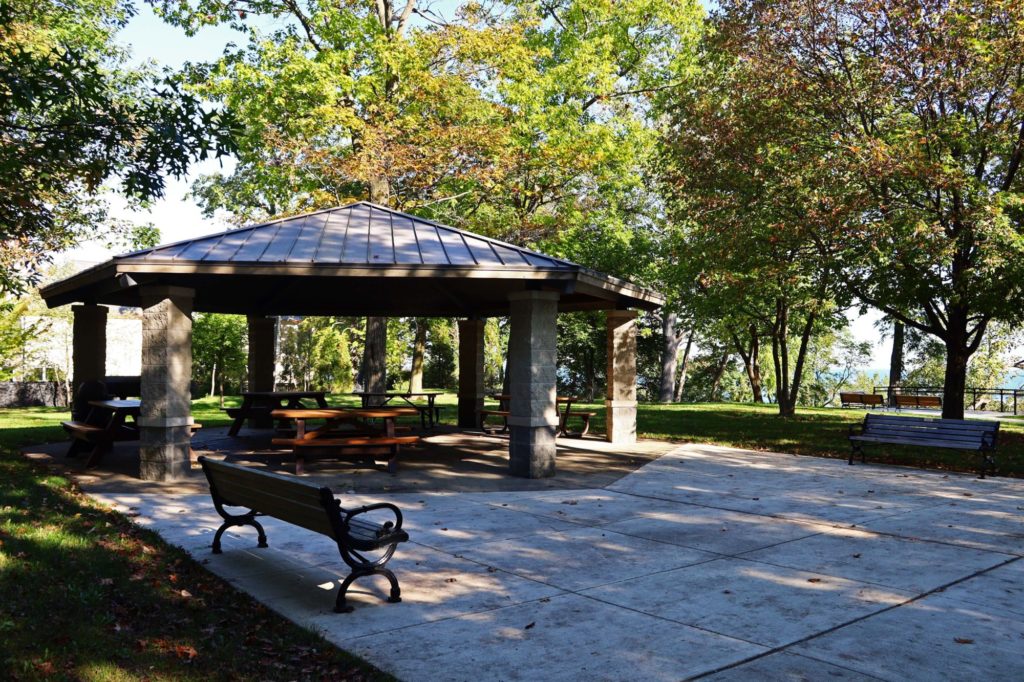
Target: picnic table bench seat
x,y
303,504
957,434
504,414
583,415
361,445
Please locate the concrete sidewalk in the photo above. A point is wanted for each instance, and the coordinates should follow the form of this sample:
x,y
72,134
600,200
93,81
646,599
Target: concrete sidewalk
x,y
708,562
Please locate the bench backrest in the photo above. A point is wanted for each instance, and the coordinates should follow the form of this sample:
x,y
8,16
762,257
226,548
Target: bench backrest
x,y
296,502
970,433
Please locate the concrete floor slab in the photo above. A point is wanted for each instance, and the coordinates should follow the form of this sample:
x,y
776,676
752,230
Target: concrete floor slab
x,y
567,638
935,638
879,559
584,557
768,605
435,586
998,528
787,667
712,530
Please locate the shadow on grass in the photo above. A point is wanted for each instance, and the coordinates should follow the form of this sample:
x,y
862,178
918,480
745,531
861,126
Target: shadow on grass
x,y
86,594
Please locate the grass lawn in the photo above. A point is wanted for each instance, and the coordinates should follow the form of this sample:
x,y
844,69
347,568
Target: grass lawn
x,y
85,594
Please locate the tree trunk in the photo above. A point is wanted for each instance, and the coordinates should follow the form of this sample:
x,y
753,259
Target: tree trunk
x,y
684,366
213,380
419,348
798,371
750,362
669,357
375,358
376,347
958,353
719,373
896,361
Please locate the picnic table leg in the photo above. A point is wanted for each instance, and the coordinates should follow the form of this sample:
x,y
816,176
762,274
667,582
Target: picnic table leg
x,y
243,412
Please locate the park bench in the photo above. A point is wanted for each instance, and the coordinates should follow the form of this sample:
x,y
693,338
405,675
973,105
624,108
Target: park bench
x,y
957,434
311,507
850,399
918,401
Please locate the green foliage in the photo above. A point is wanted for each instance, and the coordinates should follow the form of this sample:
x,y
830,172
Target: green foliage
x,y
317,353
913,110
15,334
441,366
72,117
219,351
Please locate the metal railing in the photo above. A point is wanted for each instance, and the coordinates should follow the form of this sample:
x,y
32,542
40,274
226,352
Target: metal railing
x,y
1009,398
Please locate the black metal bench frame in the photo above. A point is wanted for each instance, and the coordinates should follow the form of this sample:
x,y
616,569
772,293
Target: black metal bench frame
x,y
956,434
352,535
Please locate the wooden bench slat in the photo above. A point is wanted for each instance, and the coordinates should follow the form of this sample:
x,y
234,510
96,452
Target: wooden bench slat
x,y
367,441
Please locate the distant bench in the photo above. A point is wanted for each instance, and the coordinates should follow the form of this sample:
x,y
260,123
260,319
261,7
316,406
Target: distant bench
x,y
871,400
918,401
311,507
956,434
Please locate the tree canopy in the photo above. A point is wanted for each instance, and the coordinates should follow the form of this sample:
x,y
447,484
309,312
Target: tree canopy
x,y
74,116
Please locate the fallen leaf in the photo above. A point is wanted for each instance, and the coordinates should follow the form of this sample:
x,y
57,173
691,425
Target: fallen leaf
x,y
451,580
530,626
185,652
856,556
963,640
814,580
186,594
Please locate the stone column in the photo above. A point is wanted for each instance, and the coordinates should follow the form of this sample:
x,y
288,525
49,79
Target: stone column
x,y
471,372
262,345
620,404
531,366
166,378
88,346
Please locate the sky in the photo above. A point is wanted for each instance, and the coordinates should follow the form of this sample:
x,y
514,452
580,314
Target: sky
x,y
178,217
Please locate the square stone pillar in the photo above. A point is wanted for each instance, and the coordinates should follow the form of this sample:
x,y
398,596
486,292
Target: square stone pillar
x,y
88,346
166,379
620,404
471,372
262,360
531,365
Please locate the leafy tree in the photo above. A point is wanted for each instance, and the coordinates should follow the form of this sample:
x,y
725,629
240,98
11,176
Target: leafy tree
x,y
916,105
753,200
219,351
16,332
316,352
73,117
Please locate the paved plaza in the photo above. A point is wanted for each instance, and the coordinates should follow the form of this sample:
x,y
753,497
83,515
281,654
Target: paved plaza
x,y
706,562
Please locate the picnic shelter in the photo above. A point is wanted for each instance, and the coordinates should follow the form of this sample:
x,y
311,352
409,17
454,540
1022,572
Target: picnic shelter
x,y
358,259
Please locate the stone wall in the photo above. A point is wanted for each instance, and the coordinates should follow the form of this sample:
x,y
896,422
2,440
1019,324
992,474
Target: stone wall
x,y
33,394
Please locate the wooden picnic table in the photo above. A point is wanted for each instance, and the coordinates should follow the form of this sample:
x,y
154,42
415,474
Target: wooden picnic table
x,y
564,412
429,413
364,439
108,422
262,403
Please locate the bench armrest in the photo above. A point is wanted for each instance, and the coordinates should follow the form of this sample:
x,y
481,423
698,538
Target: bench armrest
x,y
856,429
396,525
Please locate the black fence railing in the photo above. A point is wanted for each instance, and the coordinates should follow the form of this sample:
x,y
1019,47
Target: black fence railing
x,y
975,398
